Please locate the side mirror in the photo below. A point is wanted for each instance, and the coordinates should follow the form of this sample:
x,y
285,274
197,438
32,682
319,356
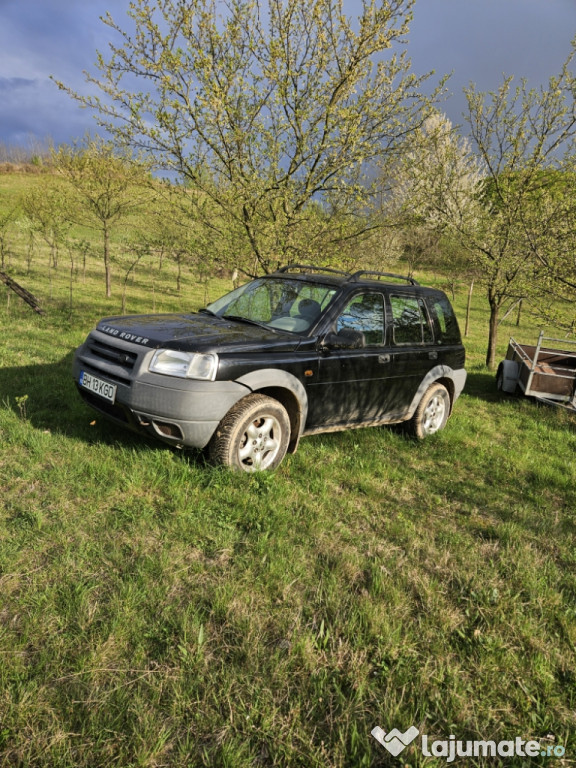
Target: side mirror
x,y
346,338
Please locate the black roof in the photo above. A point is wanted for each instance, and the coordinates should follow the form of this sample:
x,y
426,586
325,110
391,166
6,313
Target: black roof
x,y
336,277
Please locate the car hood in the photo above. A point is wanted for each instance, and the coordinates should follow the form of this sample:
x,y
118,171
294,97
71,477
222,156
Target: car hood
x,y
194,333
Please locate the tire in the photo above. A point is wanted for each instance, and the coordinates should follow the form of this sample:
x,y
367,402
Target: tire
x,y
253,436
504,371
432,412
500,378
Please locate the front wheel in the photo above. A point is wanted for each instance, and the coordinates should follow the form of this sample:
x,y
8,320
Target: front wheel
x,y
253,435
432,412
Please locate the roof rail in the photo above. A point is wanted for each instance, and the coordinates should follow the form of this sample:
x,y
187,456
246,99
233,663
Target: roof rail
x,y
356,276
312,268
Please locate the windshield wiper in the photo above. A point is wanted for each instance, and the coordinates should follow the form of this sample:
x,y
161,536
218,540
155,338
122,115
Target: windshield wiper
x,y
207,311
241,319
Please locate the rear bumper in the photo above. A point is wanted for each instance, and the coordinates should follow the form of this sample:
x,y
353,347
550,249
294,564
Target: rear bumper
x,y
459,379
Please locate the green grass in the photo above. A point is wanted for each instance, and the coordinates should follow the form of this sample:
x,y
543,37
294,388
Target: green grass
x,y
156,611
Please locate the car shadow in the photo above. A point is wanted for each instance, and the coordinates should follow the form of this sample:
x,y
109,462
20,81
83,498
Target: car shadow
x,y
482,385
45,395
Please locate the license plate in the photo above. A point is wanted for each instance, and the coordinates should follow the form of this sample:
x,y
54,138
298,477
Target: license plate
x,y
98,386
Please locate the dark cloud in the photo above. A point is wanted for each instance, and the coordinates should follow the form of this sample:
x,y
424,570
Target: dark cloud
x,y
40,39
53,34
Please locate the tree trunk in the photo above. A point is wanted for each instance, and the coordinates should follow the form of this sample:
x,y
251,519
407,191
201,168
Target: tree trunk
x,y
71,252
468,308
29,253
107,262
492,335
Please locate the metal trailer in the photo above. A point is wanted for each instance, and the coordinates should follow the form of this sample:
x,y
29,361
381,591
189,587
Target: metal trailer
x,y
545,372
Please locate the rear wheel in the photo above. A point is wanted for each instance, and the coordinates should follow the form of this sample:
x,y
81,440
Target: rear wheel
x,y
253,435
432,412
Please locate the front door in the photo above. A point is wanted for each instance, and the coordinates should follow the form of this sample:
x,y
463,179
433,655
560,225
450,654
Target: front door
x,y
352,383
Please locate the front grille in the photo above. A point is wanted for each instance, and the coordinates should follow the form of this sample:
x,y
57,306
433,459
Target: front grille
x,y
112,354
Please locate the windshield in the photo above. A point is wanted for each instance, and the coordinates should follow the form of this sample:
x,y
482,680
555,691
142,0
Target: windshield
x,y
287,305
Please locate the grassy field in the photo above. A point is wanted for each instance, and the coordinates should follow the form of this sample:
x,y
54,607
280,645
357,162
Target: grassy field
x,y
156,611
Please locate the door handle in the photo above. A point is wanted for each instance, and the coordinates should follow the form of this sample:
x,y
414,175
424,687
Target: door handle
x,y
383,358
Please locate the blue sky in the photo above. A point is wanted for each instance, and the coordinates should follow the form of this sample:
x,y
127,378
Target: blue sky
x,y
476,40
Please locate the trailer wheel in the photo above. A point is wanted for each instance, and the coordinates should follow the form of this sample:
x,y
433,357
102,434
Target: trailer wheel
x,y
500,378
507,377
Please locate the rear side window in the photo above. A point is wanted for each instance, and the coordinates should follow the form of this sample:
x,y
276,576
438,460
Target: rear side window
x,y
445,323
410,320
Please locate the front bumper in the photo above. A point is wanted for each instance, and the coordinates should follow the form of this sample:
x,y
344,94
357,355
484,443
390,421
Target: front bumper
x,y
181,412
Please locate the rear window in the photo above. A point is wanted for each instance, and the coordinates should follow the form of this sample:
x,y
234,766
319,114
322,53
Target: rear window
x,y
445,324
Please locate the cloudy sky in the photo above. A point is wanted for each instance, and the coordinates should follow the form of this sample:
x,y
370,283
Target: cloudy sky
x,y
476,40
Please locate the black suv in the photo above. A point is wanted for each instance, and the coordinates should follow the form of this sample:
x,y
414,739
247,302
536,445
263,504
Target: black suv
x,y
300,351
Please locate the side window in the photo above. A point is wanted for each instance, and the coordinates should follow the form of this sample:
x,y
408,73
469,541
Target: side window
x,y
365,312
410,320
445,322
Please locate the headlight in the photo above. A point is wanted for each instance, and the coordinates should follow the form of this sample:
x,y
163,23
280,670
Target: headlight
x,y
185,365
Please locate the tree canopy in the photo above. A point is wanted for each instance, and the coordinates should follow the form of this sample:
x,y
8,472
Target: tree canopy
x,y
270,108
107,186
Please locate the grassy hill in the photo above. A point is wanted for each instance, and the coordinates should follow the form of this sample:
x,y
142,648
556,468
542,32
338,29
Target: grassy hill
x,y
155,611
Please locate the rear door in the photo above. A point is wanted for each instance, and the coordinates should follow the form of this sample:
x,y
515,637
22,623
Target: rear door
x,y
412,347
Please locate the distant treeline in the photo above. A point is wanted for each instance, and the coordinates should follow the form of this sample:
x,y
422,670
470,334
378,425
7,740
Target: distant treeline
x,y
29,158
